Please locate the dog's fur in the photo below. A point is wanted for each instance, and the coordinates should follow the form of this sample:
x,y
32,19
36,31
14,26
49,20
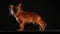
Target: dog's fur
x,y
27,17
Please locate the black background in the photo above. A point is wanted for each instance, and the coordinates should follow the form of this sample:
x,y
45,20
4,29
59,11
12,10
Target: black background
x,y
48,9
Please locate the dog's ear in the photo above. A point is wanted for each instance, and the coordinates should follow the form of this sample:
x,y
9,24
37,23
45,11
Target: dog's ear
x,y
11,6
20,4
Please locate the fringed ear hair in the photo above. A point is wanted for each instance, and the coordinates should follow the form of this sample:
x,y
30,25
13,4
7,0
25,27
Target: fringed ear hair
x,y
11,6
20,4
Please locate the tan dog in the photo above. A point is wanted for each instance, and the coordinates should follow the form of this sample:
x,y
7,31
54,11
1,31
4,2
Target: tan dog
x,y
27,17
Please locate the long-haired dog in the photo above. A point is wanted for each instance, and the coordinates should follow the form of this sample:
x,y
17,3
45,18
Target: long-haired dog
x,y
26,17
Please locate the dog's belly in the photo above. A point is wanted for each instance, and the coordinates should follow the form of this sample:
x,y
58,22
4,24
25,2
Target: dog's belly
x,y
27,20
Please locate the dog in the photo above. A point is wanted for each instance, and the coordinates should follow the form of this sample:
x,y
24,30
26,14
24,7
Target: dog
x,y
23,17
